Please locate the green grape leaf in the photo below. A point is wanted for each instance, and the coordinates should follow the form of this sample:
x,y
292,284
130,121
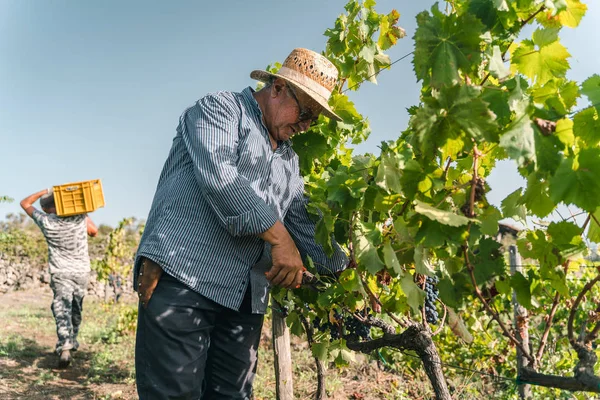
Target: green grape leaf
x,y
503,287
433,234
497,67
489,261
519,140
594,231
489,221
586,126
423,264
591,88
537,197
450,114
323,236
569,16
564,132
485,10
414,295
441,216
332,295
541,59
521,286
320,350
389,33
444,44
512,207
578,183
389,173
309,146
566,236
366,254
391,260
350,280
293,321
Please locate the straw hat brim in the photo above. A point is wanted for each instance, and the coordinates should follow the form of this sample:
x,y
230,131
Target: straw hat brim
x,y
264,76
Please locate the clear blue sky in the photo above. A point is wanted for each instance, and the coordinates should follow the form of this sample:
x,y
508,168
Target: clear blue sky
x,y
94,89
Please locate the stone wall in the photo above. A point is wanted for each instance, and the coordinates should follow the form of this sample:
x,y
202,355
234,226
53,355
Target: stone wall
x,y
21,274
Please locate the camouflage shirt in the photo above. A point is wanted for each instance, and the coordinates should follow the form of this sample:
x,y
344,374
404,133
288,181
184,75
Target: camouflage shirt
x,y
67,242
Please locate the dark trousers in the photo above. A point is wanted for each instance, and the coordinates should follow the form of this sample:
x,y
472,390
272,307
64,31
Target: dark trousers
x,y
189,347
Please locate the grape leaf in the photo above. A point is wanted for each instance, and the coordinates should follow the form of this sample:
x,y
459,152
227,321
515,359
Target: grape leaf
x,y
594,231
366,254
414,295
309,146
566,236
444,44
320,350
489,221
541,59
537,198
587,127
569,16
497,67
389,173
391,261
591,88
350,280
441,216
564,132
521,286
462,111
578,183
485,10
423,264
489,261
512,207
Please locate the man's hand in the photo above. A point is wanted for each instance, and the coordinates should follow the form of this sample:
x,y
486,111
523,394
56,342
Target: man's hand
x,y
27,202
148,278
287,264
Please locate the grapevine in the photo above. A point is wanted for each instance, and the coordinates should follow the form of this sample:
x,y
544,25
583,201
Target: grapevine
x,y
420,207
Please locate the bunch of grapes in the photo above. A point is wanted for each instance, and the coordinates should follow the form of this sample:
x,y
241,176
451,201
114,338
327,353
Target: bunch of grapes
x,y
355,327
431,296
333,329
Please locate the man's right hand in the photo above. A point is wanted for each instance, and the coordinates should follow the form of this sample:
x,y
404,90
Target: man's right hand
x,y
287,266
148,278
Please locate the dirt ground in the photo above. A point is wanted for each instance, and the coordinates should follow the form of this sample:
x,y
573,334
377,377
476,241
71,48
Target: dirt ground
x,y
31,371
100,370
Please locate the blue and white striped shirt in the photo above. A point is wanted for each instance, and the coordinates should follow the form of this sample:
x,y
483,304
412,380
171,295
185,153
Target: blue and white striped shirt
x,y
221,186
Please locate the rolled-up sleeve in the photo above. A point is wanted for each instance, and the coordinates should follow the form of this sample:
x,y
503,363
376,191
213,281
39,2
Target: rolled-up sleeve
x,y
210,133
302,229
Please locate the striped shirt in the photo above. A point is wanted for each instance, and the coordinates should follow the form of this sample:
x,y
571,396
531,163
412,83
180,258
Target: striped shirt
x,y
221,186
67,242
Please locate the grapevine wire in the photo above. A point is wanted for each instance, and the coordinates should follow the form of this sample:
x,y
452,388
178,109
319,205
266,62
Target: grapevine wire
x,y
377,73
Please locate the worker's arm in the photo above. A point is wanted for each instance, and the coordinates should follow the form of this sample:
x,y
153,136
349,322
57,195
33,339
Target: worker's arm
x,y
27,202
92,230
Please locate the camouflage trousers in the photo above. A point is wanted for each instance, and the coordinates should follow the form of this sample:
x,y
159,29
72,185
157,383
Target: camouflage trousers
x,y
69,290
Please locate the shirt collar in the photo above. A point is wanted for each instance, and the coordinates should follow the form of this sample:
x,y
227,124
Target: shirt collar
x,y
283,146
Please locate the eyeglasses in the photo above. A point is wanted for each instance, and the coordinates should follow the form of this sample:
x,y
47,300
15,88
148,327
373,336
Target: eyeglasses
x,y
306,114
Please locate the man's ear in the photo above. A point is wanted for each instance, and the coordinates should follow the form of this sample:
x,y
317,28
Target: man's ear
x,y
277,87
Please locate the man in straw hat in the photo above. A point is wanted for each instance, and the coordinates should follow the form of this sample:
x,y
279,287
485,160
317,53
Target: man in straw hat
x,y
227,221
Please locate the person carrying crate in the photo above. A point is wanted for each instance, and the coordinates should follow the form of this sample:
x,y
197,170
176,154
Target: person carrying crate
x,y
228,220
69,264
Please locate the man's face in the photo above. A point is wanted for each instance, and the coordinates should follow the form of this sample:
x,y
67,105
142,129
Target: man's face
x,y
290,111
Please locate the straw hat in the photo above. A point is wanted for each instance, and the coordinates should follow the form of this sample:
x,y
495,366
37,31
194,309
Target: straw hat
x,y
311,73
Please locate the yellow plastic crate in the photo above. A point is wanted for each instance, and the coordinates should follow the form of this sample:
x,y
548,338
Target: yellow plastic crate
x,y
78,197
